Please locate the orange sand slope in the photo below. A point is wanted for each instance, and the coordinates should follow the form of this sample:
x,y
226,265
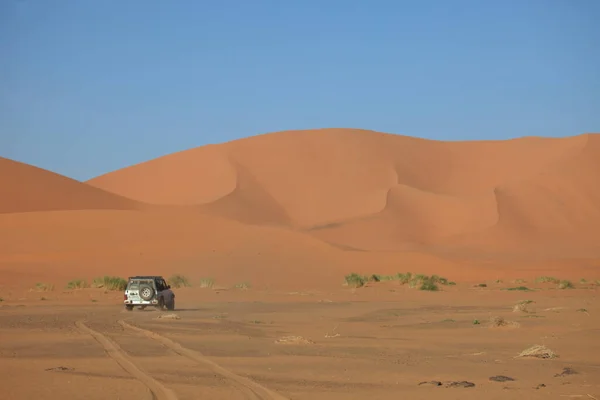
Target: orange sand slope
x,y
24,188
374,191
305,207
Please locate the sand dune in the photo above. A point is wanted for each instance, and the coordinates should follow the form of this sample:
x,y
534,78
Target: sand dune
x,y
84,244
305,207
24,188
376,191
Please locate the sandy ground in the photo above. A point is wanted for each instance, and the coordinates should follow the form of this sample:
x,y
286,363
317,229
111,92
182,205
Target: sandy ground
x,y
376,342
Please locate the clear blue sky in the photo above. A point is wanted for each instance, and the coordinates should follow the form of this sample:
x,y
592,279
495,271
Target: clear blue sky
x,y
87,87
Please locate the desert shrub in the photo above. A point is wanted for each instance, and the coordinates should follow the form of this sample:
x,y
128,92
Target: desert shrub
x,y
424,282
404,278
77,284
482,285
519,288
44,287
417,280
566,285
109,282
546,279
207,283
498,322
538,351
443,281
429,285
178,281
354,280
522,306
242,285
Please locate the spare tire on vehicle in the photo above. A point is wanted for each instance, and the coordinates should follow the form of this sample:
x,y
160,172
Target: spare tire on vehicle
x,y
146,292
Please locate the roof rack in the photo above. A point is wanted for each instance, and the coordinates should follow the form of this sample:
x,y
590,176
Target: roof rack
x,y
145,277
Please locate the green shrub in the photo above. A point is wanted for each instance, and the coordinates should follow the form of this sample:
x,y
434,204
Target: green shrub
x,y
566,285
77,284
429,285
404,278
546,279
44,287
355,280
207,283
110,283
178,281
520,288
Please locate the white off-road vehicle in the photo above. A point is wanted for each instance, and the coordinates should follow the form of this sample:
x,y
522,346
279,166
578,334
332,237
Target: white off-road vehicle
x,y
144,291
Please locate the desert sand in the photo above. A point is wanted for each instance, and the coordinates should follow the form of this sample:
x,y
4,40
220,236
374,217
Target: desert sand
x,y
290,214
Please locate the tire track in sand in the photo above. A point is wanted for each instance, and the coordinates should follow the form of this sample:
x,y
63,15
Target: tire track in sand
x,y
159,392
257,389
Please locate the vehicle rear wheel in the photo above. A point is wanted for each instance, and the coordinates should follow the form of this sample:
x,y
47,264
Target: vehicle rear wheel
x,y
129,307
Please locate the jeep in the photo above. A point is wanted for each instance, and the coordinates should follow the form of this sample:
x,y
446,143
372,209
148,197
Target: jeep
x,y
144,291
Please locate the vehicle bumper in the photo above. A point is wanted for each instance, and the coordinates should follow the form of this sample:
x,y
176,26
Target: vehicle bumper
x,y
140,303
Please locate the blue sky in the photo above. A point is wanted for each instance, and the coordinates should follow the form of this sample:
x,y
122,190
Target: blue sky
x,y
93,86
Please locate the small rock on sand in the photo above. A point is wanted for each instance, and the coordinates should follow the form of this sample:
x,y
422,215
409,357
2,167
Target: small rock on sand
x,y
168,316
449,384
293,340
501,378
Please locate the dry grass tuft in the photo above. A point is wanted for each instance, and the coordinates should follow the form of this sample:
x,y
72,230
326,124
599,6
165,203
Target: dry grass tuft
x,y
207,283
500,322
168,316
523,306
110,283
293,340
77,284
178,281
566,285
43,287
538,351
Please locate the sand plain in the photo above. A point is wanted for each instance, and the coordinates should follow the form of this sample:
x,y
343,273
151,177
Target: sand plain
x,y
380,341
